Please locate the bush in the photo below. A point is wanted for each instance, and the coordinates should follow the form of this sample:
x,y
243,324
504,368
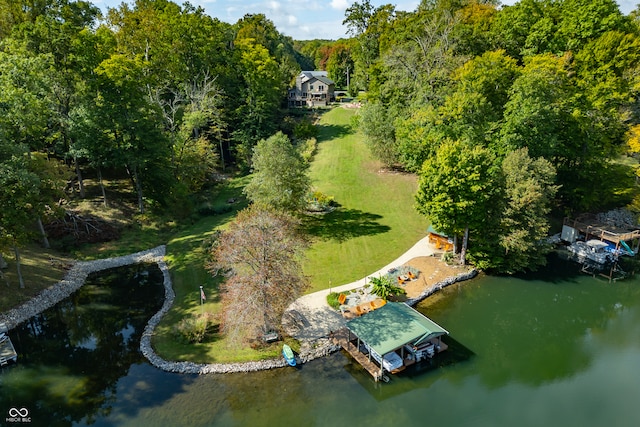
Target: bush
x,y
194,329
384,287
308,149
305,129
320,202
332,300
449,258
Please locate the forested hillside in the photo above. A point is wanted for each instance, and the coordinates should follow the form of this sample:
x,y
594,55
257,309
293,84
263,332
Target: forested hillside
x,y
161,94
506,113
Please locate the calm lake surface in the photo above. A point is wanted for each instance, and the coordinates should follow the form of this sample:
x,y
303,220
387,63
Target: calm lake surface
x,y
555,349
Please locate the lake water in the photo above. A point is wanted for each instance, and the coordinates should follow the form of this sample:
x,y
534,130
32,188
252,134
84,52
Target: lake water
x,y
556,349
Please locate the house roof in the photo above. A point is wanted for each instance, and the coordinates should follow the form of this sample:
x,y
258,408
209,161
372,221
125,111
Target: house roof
x,y
325,80
315,73
393,325
430,229
318,75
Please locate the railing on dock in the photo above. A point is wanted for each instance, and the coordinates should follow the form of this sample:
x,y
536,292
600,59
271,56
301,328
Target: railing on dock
x,y
341,338
601,231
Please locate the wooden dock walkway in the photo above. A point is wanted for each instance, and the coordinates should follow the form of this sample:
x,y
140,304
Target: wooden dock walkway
x,y
341,337
7,350
602,231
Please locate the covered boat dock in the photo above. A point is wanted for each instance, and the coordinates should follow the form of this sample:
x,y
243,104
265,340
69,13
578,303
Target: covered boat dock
x,y
390,338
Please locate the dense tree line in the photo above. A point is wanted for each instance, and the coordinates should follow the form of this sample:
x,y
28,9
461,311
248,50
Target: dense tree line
x,y
505,112
160,92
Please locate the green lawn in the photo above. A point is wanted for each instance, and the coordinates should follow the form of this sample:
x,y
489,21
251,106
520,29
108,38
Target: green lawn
x,y
186,256
376,222
187,253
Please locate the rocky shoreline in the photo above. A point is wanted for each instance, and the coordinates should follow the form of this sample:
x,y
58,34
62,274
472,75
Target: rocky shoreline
x,y
76,277
78,273
442,284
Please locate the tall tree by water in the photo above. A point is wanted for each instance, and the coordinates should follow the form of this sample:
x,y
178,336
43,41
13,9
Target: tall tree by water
x,y
260,256
456,188
512,239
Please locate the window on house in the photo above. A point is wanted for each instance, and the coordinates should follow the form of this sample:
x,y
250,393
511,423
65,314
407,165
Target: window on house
x,y
321,88
310,87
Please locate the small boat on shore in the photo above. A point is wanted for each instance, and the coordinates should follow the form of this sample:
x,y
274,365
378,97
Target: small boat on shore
x,y
288,355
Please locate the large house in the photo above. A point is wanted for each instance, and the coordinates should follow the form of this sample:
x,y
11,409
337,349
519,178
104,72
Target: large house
x,y
313,88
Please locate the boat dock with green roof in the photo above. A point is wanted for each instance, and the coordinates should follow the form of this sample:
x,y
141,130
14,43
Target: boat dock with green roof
x,y
390,338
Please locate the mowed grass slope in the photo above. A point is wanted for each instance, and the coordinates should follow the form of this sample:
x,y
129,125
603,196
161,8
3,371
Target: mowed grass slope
x,y
187,254
375,224
376,221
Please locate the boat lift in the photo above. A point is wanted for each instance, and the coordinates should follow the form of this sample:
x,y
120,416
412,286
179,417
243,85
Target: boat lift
x,y
602,248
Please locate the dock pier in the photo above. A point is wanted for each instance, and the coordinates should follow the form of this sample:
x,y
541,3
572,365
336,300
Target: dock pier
x,y
341,337
7,350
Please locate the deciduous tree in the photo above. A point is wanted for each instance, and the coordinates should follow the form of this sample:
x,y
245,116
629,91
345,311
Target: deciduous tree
x,y
455,189
280,178
529,189
260,254
513,236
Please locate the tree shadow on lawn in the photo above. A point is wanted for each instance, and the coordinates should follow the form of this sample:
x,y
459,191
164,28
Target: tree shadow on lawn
x,y
344,224
331,131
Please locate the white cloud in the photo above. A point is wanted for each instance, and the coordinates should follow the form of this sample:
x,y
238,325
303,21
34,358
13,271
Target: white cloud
x,y
340,4
275,6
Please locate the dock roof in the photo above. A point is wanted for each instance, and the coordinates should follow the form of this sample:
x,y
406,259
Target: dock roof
x,y
393,325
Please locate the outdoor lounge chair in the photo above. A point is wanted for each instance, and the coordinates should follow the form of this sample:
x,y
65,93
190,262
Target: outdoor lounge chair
x,y
342,298
377,303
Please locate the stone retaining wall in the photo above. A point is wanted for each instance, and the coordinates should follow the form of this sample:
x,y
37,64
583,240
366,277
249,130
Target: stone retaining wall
x,y
440,285
72,281
77,275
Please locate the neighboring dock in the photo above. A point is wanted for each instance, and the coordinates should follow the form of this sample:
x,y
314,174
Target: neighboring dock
x,y
7,350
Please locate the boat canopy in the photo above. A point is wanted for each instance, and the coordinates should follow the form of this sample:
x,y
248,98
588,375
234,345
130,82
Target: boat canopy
x,y
392,326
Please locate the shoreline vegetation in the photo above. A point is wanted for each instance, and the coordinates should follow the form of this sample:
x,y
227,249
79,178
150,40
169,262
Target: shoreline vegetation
x,y
78,273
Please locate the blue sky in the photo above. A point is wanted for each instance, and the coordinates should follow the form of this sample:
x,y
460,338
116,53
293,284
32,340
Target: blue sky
x,y
302,19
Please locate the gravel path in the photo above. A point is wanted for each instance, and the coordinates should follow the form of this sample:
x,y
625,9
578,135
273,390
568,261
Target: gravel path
x,y
309,319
